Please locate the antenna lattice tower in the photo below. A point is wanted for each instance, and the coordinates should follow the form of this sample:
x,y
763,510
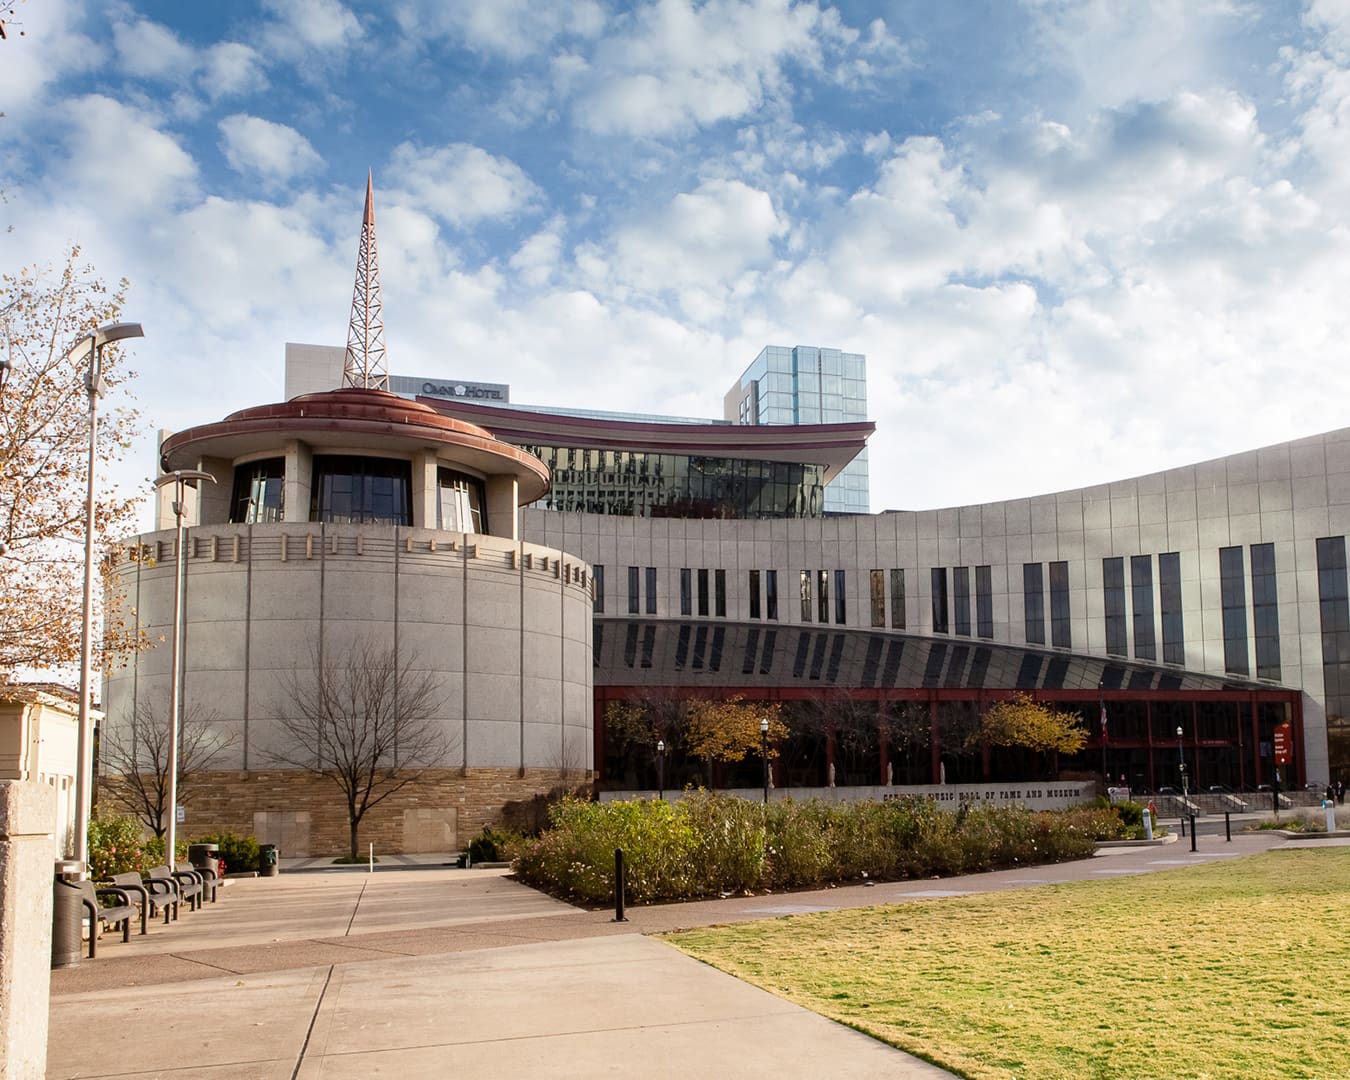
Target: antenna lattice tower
x,y
364,365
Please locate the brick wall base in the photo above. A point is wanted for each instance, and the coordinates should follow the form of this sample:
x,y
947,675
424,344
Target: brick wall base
x,y
304,815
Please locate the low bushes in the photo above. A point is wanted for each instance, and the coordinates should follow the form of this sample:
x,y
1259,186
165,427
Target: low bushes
x,y
238,853
708,845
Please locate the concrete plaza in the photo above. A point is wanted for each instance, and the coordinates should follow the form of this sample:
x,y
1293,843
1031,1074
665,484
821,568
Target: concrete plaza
x,y
426,971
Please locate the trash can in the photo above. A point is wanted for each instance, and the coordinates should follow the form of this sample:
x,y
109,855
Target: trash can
x,y
267,860
67,913
205,857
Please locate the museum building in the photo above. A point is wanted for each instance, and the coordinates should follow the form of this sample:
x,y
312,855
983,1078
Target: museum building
x,y
545,564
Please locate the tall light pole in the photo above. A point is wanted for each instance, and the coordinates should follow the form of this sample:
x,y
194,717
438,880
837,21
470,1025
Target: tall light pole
x,y
93,382
764,750
179,479
1181,753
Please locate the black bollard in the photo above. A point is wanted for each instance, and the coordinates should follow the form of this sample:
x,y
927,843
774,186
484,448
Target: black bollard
x,y
1192,832
1227,828
1183,826
618,886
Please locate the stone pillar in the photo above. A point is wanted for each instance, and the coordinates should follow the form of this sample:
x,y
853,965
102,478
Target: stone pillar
x,y
27,860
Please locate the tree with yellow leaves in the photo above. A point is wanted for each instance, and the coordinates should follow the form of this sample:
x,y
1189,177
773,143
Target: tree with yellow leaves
x,y
1020,720
728,729
44,460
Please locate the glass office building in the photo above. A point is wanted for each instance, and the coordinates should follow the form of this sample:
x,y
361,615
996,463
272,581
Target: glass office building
x,y
809,385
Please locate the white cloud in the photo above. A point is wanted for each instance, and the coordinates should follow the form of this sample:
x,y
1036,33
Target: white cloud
x,y
459,183
52,47
677,65
321,29
511,28
231,68
275,152
150,50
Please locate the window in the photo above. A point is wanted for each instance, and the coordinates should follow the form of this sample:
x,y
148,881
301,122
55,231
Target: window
x,y
878,581
984,601
754,594
898,599
1169,595
1113,591
840,614
1265,612
459,501
961,598
703,593
634,598
771,594
361,490
259,492
720,593
823,597
1233,591
651,590
1141,601
1335,612
1033,602
938,577
1061,632
806,596
686,591
598,584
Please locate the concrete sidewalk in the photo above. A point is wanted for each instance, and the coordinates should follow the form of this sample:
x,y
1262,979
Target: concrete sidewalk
x,y
466,971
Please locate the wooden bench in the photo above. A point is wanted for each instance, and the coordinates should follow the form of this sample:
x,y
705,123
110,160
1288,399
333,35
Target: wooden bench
x,y
114,916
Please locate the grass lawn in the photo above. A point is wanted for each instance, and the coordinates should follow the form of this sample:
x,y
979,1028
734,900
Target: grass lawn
x,y
1233,969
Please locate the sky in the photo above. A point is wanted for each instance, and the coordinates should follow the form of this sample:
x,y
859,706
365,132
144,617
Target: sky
x,y
1076,241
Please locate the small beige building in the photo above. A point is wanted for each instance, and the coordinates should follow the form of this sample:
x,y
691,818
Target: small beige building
x,y
38,743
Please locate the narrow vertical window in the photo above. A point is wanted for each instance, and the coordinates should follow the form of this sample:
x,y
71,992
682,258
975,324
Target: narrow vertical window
x,y
1113,593
1265,612
686,591
878,594
651,590
938,576
598,585
703,593
961,599
1141,603
1033,601
1061,626
823,597
840,614
898,599
771,594
634,598
754,594
1169,596
984,601
1233,592
806,596
720,593
1335,615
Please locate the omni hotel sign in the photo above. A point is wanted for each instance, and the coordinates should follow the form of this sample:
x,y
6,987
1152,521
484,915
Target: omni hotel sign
x,y
454,389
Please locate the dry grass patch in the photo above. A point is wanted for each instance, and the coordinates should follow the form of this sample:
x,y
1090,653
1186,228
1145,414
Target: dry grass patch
x,y
1229,969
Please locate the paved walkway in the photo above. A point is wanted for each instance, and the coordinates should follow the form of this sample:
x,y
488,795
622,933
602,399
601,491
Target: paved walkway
x,y
351,974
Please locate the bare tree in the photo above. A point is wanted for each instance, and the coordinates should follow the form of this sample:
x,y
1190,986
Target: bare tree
x,y
364,720
139,754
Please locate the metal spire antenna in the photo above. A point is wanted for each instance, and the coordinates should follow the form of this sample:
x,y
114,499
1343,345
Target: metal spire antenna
x,y
364,365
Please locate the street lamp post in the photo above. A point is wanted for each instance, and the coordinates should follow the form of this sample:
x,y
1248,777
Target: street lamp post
x,y
179,479
660,768
764,751
1181,753
93,381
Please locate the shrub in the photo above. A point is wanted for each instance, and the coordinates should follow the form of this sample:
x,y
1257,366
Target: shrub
x,y
494,845
238,853
116,846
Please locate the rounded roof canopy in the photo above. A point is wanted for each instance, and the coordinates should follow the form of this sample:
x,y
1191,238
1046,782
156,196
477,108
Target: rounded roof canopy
x,y
356,420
